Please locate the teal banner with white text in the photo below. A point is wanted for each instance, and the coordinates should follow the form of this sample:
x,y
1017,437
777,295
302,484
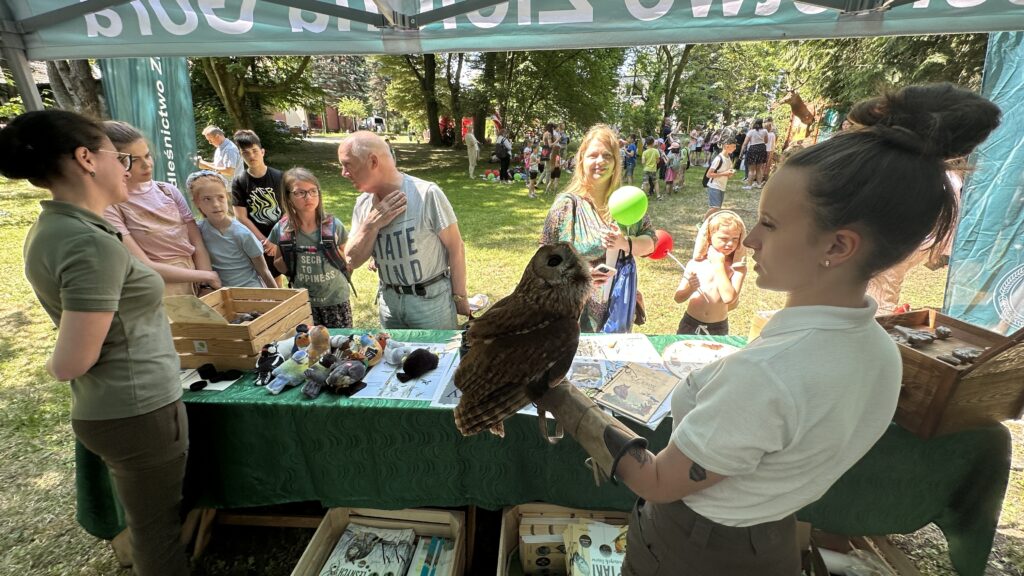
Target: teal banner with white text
x,y
986,269
154,95
251,27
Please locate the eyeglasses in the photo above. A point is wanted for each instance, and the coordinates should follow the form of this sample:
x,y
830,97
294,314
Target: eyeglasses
x,y
123,157
311,193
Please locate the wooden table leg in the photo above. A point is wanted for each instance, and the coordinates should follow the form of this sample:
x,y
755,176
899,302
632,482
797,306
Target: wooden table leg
x,y
205,531
470,533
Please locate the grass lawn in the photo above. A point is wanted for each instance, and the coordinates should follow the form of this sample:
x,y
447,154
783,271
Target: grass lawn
x,y
500,225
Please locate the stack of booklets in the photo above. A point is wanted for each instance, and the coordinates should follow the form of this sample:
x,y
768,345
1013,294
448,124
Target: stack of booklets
x,y
594,548
544,545
365,550
435,556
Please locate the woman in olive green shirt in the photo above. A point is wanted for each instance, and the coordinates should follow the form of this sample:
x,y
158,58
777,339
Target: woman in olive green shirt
x,y
113,342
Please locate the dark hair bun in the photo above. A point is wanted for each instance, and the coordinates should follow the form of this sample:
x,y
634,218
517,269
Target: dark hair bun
x,y
17,157
939,120
33,144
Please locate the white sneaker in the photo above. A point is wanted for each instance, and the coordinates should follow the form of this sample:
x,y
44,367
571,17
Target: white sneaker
x,y
748,187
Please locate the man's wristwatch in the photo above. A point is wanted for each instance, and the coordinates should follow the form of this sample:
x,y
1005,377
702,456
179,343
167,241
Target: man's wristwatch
x,y
458,297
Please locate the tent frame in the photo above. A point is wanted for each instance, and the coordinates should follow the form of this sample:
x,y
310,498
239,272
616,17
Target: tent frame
x,y
13,45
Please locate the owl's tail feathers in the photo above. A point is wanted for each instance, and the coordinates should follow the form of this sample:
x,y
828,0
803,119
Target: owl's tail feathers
x,y
488,412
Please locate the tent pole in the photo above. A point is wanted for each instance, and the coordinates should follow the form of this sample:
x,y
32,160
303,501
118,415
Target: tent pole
x,y
14,53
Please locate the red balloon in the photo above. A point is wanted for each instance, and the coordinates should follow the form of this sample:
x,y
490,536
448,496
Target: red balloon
x,y
662,245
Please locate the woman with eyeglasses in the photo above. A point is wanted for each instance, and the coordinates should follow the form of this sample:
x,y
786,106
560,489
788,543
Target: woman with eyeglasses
x,y
114,344
311,250
155,221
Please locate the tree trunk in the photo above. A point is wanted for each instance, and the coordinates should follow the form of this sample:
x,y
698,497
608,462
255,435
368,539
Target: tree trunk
x,y
480,116
674,80
74,87
427,77
230,90
454,79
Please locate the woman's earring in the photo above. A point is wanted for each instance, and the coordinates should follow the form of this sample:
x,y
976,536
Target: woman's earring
x,y
92,173
828,263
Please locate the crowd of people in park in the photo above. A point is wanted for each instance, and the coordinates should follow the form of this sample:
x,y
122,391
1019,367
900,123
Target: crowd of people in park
x,y
112,242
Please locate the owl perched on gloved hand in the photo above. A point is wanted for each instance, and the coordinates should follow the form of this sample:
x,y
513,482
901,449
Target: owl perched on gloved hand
x,y
525,343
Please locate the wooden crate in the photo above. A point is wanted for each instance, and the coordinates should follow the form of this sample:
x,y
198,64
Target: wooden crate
x,y
938,398
878,547
508,542
203,335
424,522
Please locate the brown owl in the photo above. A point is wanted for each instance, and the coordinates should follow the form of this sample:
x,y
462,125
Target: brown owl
x,y
525,343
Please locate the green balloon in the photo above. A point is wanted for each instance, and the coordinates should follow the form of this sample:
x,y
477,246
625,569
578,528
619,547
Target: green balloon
x,y
628,205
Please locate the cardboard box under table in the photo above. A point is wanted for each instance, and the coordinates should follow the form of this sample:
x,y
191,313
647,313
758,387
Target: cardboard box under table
x,y
202,332
938,398
424,522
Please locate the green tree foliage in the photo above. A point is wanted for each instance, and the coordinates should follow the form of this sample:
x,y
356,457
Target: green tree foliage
x,y
698,85
577,87
341,77
351,107
248,86
845,70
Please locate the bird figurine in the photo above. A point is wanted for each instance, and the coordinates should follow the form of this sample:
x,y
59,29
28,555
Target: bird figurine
x,y
525,343
345,375
316,376
265,364
289,373
319,341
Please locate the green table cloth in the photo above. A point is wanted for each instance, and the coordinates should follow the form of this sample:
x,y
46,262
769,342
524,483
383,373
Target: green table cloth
x,y
249,448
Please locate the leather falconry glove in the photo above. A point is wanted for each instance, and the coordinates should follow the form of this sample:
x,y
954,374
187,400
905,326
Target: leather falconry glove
x,y
604,438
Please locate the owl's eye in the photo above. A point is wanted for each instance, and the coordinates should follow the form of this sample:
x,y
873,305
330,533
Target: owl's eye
x,y
554,260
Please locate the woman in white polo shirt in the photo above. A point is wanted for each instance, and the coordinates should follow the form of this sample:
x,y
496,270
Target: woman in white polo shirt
x,y
766,431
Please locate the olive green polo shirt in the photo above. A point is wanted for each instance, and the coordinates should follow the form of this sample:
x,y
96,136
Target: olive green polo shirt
x,y
75,261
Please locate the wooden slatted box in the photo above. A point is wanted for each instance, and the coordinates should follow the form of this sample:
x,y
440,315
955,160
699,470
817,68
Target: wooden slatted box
x,y
202,332
938,398
424,522
511,517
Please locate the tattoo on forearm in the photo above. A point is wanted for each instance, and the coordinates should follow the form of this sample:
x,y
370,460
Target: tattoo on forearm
x,y
698,473
640,454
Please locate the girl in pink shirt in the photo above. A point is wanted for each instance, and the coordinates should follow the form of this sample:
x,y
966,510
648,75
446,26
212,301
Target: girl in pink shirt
x,y
156,223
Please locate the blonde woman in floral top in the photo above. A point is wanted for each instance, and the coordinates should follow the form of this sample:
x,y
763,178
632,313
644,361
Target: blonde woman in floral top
x,y
580,217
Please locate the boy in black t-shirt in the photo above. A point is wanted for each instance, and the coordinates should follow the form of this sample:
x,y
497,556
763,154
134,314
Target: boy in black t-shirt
x,y
256,193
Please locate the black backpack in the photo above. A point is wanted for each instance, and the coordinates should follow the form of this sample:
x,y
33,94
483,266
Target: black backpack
x,y
705,180
500,150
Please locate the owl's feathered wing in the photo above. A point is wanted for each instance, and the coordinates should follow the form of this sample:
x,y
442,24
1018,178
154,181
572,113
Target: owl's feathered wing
x,y
514,357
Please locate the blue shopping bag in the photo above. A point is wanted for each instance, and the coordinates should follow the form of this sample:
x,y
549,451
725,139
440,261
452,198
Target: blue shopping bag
x,y
622,300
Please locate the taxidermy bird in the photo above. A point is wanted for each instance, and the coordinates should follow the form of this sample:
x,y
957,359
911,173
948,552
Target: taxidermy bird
x,y
290,373
525,343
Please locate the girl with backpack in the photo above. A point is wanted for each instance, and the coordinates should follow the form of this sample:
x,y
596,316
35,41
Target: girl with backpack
x,y
673,172
311,249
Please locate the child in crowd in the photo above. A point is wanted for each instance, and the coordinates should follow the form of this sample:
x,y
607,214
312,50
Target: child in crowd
x,y
533,169
235,253
718,176
256,195
311,249
649,159
556,169
713,279
672,169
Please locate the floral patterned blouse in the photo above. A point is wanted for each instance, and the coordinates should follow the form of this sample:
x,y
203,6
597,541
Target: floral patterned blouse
x,y
574,219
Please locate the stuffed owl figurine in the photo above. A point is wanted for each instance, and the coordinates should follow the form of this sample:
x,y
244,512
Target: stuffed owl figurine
x,y
525,343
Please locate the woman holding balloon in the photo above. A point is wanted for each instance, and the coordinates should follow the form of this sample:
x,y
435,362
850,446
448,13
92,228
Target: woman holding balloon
x,y
584,217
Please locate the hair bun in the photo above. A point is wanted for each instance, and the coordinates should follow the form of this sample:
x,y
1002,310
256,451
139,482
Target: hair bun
x,y
940,120
18,160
